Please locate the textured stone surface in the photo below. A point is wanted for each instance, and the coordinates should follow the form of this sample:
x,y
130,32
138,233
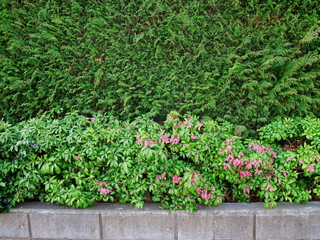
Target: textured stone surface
x,y
142,227
14,225
195,226
62,225
123,222
234,226
287,226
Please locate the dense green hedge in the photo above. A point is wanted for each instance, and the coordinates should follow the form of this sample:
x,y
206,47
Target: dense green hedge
x,y
242,61
184,162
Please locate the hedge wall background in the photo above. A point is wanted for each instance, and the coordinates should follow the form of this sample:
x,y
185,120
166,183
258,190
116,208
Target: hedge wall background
x,y
242,61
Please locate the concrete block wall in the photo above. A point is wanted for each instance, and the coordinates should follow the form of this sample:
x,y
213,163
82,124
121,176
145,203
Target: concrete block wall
x,y
119,221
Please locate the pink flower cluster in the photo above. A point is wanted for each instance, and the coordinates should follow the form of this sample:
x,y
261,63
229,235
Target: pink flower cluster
x,y
244,174
203,192
164,139
310,168
162,177
247,167
269,188
188,124
176,179
259,149
103,190
194,178
246,191
146,143
173,140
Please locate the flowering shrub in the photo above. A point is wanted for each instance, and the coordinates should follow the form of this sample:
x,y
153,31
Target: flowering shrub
x,y
187,161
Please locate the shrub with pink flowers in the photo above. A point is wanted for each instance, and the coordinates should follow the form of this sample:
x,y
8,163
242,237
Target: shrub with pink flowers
x,y
184,162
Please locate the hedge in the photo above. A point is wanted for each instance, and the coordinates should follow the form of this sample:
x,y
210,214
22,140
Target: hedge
x,y
241,61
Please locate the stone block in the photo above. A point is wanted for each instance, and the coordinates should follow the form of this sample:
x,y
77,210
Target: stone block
x,y
14,225
136,226
234,226
65,225
195,226
287,226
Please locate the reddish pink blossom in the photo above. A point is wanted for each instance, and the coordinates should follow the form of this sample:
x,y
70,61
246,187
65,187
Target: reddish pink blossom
x,y
248,165
226,165
199,175
257,172
256,162
193,180
164,138
92,119
289,158
148,143
78,156
188,124
246,191
176,179
206,195
230,157
238,163
269,188
283,172
244,174
229,141
200,125
186,144
105,191
163,176
194,137
310,168
174,140
271,151
256,147
203,192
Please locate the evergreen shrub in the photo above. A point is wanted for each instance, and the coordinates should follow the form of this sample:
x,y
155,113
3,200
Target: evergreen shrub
x,y
184,162
241,61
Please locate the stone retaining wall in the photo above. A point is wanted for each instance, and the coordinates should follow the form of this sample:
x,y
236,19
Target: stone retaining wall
x,y
119,221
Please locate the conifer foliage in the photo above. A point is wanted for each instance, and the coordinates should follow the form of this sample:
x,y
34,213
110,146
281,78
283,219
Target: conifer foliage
x,y
241,61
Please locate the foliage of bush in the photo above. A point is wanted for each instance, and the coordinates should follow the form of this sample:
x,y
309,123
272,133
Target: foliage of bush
x,y
181,163
241,61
